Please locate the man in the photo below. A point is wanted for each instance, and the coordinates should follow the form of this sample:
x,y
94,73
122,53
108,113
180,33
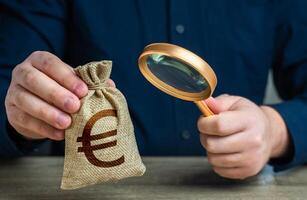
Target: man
x,y
40,42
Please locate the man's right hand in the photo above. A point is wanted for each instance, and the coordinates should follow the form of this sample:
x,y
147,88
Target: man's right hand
x,y
43,92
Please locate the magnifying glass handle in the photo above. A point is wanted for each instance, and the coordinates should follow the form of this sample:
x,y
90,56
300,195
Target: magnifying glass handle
x,y
204,108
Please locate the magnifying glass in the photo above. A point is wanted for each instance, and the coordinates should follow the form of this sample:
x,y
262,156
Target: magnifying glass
x,y
179,73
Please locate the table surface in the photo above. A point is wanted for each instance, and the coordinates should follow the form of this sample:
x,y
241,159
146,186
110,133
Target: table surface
x,y
166,178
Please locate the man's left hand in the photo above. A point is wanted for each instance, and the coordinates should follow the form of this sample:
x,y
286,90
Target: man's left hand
x,y
241,137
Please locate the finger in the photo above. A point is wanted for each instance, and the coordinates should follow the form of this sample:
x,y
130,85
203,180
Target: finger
x,y
46,88
111,83
230,160
223,124
213,105
34,127
56,69
221,103
235,173
26,133
25,101
235,143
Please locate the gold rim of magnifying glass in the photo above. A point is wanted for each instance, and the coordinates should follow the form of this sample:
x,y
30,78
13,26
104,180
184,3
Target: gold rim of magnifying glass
x,y
184,56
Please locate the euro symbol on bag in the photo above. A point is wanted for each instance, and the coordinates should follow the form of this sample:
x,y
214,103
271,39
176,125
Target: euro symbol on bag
x,y
86,139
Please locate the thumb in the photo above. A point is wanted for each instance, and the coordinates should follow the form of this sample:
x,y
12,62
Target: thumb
x,y
221,103
111,83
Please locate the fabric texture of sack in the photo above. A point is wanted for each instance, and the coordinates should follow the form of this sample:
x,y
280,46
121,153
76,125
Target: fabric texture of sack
x,y
100,144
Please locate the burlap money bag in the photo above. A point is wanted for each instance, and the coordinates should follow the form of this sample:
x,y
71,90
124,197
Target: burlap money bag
x,y
100,144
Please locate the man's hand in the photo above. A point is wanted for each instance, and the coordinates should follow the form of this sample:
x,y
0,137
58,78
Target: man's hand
x,y
242,137
43,92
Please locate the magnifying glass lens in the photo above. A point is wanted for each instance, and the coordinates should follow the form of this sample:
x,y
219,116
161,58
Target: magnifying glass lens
x,y
176,73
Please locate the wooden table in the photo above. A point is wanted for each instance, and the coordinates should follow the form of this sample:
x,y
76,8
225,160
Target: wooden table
x,y
38,178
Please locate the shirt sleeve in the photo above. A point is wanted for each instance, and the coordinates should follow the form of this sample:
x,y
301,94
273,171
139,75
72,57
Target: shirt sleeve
x,y
290,77
26,26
